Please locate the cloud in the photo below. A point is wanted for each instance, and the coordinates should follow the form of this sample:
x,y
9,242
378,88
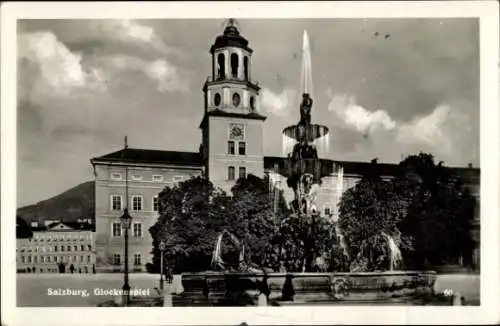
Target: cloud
x,y
426,129
438,132
53,65
278,104
357,117
131,31
164,73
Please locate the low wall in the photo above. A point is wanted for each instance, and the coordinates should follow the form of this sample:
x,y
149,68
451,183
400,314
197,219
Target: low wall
x,y
251,289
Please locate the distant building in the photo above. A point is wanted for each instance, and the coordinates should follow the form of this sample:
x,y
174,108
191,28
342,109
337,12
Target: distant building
x,y
232,146
57,247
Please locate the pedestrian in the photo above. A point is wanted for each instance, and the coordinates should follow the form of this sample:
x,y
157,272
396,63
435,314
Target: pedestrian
x,y
72,269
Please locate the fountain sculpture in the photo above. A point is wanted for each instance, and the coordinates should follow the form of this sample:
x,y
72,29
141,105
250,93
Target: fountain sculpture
x,y
244,285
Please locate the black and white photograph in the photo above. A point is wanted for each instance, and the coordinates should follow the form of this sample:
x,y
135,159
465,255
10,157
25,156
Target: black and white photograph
x,y
238,160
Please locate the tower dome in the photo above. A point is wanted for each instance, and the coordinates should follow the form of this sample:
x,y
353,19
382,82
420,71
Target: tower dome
x,y
231,37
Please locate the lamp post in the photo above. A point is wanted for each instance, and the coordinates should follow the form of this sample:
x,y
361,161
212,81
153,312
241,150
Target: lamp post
x,y
126,220
162,250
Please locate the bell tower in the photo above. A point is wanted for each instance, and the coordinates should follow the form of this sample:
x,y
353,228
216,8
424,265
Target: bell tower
x,y
232,126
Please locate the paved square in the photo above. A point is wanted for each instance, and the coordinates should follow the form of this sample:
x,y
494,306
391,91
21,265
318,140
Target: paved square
x,y
32,289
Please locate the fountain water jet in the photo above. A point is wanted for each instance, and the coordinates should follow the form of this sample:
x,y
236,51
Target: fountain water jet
x,y
395,256
306,73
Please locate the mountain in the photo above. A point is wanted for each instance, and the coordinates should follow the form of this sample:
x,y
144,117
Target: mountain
x,y
75,203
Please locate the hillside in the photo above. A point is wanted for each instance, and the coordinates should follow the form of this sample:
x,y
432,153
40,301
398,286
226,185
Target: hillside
x,y
75,203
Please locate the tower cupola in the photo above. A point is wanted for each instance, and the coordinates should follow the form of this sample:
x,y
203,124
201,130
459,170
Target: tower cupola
x,y
230,38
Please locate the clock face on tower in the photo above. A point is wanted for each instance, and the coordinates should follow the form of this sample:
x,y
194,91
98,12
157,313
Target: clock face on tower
x,y
236,99
236,131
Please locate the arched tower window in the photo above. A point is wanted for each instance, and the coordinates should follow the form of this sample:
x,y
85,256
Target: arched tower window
x,y
234,65
245,67
221,66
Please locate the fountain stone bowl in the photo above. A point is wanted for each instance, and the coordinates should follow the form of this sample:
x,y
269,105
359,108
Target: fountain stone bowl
x,y
316,288
312,132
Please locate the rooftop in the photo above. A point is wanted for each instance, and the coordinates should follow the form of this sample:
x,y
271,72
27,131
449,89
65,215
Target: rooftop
x,y
148,156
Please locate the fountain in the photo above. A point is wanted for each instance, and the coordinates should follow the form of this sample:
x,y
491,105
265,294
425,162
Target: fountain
x,y
244,285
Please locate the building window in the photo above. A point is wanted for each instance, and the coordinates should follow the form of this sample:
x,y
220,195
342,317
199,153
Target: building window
x,y
62,248
221,65
116,229
245,67
178,178
90,247
88,259
136,177
116,176
234,64
55,259
217,99
137,229
55,248
74,259
23,259
35,259
82,247
327,210
156,204
29,259
116,259
137,203
243,172
252,103
137,259
48,259
116,202
230,147
157,178
230,173
75,248
242,148
81,259
69,248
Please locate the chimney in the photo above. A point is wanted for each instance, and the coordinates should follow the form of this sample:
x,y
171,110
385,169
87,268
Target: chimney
x,y
469,165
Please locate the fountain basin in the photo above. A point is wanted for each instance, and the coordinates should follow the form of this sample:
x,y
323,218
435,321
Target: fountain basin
x,y
243,289
310,132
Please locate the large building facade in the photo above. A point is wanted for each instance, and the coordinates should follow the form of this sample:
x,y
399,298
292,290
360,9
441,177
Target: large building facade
x,y
60,247
232,147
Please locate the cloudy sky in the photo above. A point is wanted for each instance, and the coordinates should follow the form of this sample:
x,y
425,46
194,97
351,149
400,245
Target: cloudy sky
x,y
383,87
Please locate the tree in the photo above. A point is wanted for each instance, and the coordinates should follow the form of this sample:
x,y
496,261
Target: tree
x,y
191,215
22,229
369,213
425,208
253,219
439,213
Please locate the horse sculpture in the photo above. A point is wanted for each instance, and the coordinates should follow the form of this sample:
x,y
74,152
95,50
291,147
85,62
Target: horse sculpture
x,y
220,264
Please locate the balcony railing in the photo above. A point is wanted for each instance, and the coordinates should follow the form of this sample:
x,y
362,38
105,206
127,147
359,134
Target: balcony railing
x,y
231,78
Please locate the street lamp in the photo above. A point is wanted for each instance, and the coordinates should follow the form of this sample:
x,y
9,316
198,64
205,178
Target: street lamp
x,y
162,250
126,220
